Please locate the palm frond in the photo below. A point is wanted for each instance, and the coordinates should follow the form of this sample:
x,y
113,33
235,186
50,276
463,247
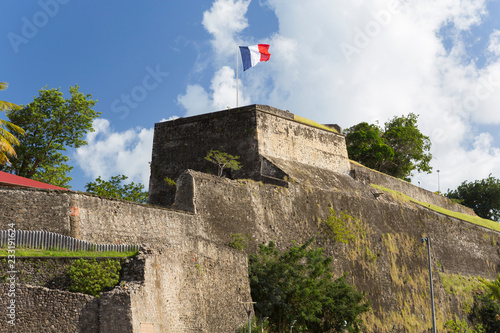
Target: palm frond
x,y
7,138
7,106
11,127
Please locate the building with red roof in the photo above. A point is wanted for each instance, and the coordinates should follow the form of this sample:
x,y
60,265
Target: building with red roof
x,y
10,180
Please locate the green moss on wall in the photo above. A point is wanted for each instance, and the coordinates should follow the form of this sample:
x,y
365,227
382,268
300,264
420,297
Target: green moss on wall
x,y
313,123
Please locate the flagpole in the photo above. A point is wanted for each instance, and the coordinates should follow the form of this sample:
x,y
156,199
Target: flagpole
x,y
237,76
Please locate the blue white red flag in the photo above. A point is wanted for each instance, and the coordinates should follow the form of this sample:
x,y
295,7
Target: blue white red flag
x,y
252,55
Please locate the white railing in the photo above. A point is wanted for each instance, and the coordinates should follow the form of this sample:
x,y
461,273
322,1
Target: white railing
x,y
51,240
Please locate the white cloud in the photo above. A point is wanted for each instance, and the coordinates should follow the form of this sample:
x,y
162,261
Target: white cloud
x,y
224,20
494,45
347,61
110,153
222,94
196,100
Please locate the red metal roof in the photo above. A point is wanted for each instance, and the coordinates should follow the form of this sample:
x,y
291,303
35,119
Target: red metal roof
x,y
8,179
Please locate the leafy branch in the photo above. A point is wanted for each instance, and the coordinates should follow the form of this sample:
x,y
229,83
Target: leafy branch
x,y
223,161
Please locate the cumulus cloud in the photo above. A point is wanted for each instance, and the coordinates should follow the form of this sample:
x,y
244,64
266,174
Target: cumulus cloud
x,y
196,100
110,153
224,21
222,94
348,61
494,45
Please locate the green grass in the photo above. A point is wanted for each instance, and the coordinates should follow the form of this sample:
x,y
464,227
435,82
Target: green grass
x,y
313,123
25,252
472,219
464,287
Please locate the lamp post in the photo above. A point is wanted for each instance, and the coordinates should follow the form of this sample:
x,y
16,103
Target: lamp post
x,y
262,324
291,325
249,313
428,241
439,187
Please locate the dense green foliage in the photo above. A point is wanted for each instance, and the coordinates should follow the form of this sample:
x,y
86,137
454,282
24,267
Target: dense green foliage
x,y
7,132
223,161
52,124
91,277
298,285
115,189
397,149
486,313
481,195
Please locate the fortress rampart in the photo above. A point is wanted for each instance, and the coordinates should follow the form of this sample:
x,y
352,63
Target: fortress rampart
x,y
265,138
293,177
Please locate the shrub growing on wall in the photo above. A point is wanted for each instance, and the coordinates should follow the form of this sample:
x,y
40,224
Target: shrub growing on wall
x,y
298,285
91,277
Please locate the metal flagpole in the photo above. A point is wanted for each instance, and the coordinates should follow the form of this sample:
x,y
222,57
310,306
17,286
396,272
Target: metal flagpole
x,y
237,75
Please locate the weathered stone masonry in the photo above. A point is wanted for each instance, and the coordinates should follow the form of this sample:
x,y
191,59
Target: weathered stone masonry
x,y
267,140
293,175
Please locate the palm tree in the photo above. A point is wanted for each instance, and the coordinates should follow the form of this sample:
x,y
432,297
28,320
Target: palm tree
x,y
7,139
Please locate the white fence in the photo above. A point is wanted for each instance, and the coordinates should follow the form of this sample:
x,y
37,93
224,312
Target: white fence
x,y
51,240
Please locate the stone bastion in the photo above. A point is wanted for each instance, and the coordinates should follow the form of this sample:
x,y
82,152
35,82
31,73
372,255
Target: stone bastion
x,y
295,175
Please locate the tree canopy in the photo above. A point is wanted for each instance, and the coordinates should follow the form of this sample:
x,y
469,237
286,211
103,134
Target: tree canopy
x,y
298,285
483,196
52,124
397,149
7,132
115,189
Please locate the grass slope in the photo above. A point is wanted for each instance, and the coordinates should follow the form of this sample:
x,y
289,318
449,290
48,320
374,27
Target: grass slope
x,y
472,219
313,123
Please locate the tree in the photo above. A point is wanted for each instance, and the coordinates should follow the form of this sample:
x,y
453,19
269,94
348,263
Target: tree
x,y
223,161
397,149
486,312
7,130
52,124
483,196
114,189
297,285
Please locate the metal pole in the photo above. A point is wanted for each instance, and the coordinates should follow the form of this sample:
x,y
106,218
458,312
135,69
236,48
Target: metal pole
x,y
428,240
237,51
439,187
249,312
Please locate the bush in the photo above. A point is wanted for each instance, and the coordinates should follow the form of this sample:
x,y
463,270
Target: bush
x,y
298,285
239,241
486,312
91,277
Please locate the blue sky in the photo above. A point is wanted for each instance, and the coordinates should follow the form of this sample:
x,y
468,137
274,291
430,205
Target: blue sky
x,y
334,61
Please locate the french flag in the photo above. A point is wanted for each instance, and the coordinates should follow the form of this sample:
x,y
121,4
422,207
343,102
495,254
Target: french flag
x,y
252,55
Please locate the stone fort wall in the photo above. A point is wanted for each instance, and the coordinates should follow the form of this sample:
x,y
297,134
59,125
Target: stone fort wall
x,y
192,278
187,278
262,136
